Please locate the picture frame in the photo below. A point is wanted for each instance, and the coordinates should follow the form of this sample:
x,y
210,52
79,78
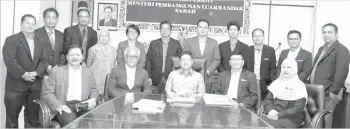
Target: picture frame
x,y
74,18
107,11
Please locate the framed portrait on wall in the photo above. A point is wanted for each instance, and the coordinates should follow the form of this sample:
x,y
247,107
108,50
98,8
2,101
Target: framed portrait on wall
x,y
82,4
107,16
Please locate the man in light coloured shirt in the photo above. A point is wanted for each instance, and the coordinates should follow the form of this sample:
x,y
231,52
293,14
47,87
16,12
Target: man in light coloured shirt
x,y
23,55
202,46
303,57
237,83
76,85
261,60
185,80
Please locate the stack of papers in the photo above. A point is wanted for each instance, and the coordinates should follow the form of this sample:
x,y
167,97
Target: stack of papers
x,y
147,106
217,100
186,100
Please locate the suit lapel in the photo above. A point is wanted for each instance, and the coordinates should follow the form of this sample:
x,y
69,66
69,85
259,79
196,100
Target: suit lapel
x,y
137,72
84,82
57,39
207,46
331,48
65,81
36,48
26,45
88,36
46,35
77,29
160,50
227,81
263,53
241,83
197,46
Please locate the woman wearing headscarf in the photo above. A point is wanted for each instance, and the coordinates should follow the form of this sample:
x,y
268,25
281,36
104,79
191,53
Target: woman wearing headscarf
x,y
286,98
102,58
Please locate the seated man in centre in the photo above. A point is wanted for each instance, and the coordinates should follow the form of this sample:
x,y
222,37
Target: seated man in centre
x,y
130,77
185,80
68,86
237,83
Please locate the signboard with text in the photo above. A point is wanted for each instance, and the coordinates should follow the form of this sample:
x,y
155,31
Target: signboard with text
x,y
184,14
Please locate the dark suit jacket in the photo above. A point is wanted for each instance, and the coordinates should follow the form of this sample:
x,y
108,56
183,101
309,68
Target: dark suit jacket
x,y
332,69
117,83
211,52
56,56
267,66
304,61
125,44
154,59
72,35
18,60
111,22
225,51
56,87
247,92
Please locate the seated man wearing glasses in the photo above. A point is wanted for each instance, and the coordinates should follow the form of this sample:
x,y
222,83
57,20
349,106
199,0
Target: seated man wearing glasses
x,y
237,83
128,78
185,80
70,90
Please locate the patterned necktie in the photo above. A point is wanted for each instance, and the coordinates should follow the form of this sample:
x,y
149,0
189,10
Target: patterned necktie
x,y
84,40
312,76
51,39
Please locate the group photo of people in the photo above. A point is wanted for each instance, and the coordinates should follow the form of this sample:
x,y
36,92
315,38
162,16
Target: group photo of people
x,y
79,67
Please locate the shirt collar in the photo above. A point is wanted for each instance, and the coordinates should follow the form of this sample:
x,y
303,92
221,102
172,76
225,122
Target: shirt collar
x,y
48,30
188,74
296,51
74,70
82,28
259,49
329,44
237,72
128,68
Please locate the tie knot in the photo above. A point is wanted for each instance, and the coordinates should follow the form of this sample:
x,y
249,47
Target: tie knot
x,y
84,30
50,32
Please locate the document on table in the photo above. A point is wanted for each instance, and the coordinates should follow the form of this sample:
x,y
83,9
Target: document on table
x,y
148,106
217,100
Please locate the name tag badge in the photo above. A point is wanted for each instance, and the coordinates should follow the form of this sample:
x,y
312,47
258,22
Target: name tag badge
x,y
299,60
266,58
243,80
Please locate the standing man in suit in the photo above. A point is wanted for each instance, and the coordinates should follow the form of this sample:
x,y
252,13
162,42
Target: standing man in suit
x,y
158,59
69,85
52,38
81,34
108,20
330,68
232,45
261,60
203,46
303,57
24,58
237,83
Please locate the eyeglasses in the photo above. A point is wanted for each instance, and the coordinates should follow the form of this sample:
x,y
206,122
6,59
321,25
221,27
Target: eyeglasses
x,y
131,56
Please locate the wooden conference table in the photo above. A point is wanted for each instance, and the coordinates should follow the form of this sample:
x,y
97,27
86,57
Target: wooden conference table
x,y
117,113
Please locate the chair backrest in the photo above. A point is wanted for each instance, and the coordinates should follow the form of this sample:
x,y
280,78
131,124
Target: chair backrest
x,y
199,65
105,95
315,101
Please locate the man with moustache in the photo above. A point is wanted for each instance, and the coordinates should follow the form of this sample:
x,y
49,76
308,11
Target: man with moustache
x,y
303,57
24,58
81,34
158,59
261,60
330,69
52,38
203,46
232,45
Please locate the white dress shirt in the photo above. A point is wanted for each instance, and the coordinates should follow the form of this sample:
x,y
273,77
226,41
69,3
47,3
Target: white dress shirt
x,y
257,62
293,54
233,87
30,41
130,76
74,84
202,45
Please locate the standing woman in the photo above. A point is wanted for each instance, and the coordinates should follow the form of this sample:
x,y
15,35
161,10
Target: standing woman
x,y
101,59
286,98
133,32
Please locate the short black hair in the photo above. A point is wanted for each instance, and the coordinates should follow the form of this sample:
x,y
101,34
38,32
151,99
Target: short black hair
x,y
165,22
233,23
107,8
333,25
134,27
50,10
256,29
83,10
203,20
25,16
235,53
186,53
294,31
70,47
